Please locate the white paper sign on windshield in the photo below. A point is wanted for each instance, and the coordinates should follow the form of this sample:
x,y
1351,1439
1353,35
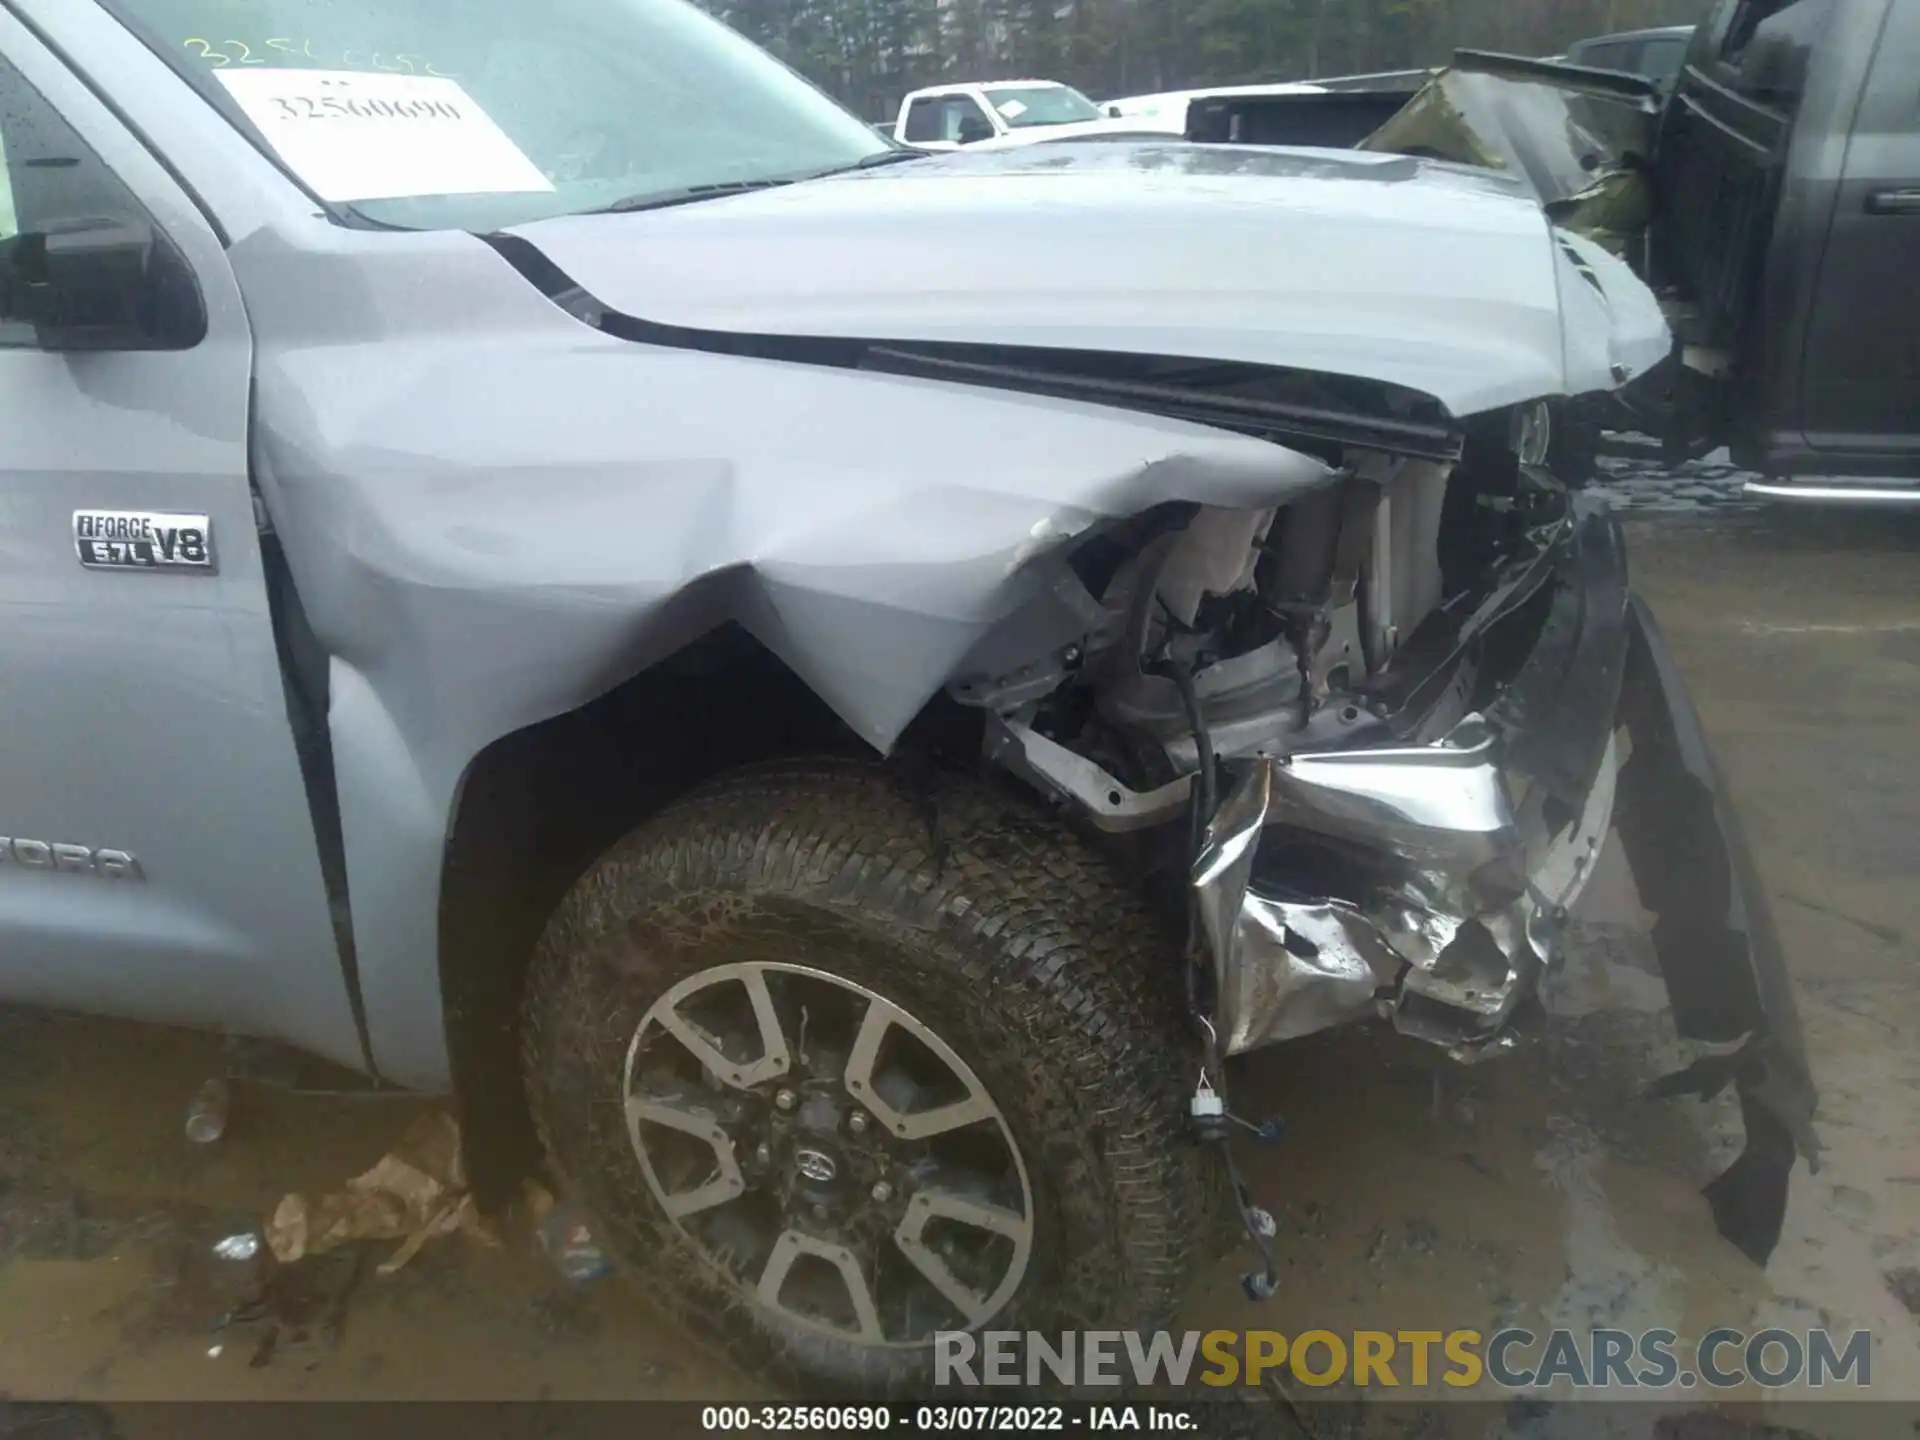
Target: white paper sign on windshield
x,y
1013,109
356,136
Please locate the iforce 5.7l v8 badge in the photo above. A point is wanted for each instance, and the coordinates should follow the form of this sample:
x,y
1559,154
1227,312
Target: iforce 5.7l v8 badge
x,y
143,540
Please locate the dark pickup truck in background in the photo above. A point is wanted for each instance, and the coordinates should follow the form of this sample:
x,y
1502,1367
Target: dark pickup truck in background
x,y
1660,55
1770,194
1787,218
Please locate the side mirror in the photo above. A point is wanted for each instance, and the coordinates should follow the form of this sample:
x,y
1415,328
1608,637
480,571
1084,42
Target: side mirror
x,y
100,284
974,129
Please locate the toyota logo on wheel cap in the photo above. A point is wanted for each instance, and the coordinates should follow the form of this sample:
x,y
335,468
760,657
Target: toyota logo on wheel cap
x,y
816,1165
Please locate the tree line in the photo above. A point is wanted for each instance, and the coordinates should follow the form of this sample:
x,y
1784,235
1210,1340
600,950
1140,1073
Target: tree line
x,y
871,52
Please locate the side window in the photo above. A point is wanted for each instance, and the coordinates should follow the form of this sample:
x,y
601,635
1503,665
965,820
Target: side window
x,y
1663,60
1768,46
970,122
1617,56
1784,17
12,334
923,121
52,178
70,229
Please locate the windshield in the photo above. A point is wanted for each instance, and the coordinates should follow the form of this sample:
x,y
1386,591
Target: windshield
x,y
1025,105
475,114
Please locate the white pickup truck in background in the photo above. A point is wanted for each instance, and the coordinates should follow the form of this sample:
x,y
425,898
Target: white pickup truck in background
x,y
1004,113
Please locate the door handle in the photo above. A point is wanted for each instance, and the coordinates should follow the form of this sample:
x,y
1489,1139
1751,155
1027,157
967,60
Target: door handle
x,y
1894,202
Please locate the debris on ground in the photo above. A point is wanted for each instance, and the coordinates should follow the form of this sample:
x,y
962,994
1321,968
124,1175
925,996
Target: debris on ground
x,y
416,1193
243,1246
566,1232
299,1310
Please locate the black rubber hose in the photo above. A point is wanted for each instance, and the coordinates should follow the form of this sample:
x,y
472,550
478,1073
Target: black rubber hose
x,y
1204,789
1203,743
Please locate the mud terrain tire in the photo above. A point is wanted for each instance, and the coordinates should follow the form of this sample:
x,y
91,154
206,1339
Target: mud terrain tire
x,y
972,911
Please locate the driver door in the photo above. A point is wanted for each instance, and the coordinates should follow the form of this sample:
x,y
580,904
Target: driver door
x,y
157,851
1860,369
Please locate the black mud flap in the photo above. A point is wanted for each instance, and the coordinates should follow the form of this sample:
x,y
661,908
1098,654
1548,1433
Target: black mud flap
x,y
1714,934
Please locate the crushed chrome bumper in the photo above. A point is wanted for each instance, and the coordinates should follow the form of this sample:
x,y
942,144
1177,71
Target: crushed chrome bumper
x,y
1463,856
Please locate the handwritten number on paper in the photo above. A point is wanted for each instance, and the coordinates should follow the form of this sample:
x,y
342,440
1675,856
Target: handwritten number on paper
x,y
305,107
238,52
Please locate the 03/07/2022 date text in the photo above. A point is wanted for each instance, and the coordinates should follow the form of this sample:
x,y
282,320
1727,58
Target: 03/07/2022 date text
x,y
945,1417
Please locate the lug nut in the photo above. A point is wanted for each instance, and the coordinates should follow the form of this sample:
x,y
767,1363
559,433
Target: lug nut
x,y
785,1100
763,1153
882,1192
857,1122
819,1212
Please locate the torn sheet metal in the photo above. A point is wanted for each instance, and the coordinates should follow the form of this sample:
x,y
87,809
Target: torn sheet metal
x,y
1449,949
1613,212
1488,835
1225,866
1579,138
1327,966
1282,968
1450,964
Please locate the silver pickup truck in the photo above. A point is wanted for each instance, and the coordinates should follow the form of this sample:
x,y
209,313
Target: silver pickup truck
x,y
822,693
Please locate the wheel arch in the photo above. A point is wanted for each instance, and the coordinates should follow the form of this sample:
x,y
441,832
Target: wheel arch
x,y
536,807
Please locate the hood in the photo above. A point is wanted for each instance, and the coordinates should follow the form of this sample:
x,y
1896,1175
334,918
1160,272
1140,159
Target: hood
x,y
1441,279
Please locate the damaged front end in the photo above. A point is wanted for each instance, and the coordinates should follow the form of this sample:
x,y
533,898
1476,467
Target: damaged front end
x,y
1377,739
1480,838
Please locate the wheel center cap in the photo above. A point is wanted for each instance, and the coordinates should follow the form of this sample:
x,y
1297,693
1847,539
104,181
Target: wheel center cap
x,y
815,1165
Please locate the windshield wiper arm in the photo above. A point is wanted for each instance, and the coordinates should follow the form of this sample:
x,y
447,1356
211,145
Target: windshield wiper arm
x,y
876,160
662,199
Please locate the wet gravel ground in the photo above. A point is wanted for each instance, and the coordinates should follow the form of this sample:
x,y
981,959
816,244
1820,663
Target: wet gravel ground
x,y
1539,1190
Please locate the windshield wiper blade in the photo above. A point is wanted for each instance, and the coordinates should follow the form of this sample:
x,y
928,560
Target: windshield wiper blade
x,y
876,160
867,162
662,199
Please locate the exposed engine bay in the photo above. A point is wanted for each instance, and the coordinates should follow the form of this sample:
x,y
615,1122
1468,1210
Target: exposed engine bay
x,y
1299,712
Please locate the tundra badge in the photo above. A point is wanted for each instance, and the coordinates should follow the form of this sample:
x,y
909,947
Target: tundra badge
x,y
74,859
143,540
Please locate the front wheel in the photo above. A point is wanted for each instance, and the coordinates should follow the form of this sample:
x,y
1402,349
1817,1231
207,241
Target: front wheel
x,y
842,1068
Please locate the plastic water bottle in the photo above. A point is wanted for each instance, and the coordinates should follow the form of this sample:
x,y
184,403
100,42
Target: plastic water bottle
x,y
207,1113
